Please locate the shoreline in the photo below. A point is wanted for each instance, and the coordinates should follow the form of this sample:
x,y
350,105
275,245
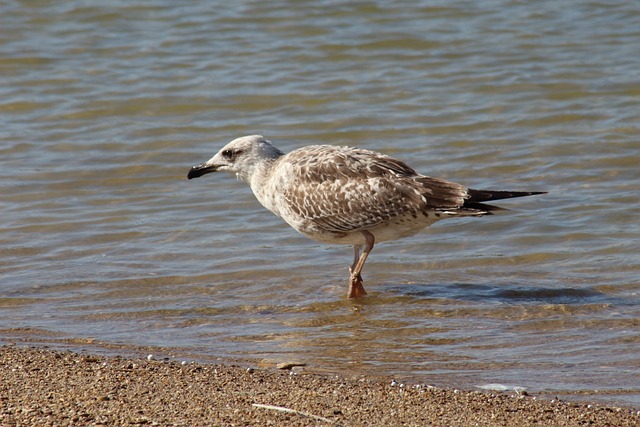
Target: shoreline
x,y
41,338
39,385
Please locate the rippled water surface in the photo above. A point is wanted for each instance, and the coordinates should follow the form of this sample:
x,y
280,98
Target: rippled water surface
x,y
105,106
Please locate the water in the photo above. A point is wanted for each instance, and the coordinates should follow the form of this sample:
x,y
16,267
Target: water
x,y
103,109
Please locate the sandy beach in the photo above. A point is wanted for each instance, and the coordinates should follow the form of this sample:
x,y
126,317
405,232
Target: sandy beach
x,y
40,386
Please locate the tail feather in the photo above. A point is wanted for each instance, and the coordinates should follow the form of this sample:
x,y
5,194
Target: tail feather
x,y
477,197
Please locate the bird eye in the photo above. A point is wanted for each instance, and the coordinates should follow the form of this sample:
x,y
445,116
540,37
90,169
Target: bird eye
x,y
231,155
227,154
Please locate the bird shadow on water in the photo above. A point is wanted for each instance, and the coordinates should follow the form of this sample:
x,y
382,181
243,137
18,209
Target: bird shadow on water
x,y
506,294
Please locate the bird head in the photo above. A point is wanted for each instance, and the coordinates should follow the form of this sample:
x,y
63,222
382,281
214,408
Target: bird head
x,y
241,157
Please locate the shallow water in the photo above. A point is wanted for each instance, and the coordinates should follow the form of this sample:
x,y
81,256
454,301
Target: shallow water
x,y
103,109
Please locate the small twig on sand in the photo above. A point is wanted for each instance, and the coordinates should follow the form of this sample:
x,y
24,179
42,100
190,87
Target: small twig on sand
x,y
293,411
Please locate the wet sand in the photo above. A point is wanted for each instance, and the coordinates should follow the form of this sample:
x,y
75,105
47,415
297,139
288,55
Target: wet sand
x,y
40,386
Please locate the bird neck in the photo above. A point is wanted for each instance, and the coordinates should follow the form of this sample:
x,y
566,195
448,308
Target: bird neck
x,y
261,171
261,184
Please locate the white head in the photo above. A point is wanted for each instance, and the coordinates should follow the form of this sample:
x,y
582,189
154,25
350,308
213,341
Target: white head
x,y
241,157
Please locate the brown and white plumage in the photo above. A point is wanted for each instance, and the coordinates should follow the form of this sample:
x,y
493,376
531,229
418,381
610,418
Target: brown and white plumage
x,y
347,195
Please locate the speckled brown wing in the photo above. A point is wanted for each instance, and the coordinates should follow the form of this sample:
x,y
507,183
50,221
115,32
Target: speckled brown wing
x,y
342,189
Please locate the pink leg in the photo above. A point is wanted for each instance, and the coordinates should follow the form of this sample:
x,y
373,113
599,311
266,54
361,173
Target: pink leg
x,y
356,257
356,290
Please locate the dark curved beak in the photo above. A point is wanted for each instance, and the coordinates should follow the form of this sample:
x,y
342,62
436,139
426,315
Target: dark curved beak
x,y
201,169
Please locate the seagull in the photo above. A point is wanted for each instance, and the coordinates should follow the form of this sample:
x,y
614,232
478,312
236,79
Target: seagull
x,y
346,195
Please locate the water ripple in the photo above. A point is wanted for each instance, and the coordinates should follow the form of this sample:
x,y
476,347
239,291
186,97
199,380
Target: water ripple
x,y
105,106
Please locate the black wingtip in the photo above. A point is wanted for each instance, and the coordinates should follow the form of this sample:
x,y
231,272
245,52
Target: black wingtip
x,y
477,196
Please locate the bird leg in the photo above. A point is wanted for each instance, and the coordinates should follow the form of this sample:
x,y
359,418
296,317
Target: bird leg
x,y
356,257
355,282
356,290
